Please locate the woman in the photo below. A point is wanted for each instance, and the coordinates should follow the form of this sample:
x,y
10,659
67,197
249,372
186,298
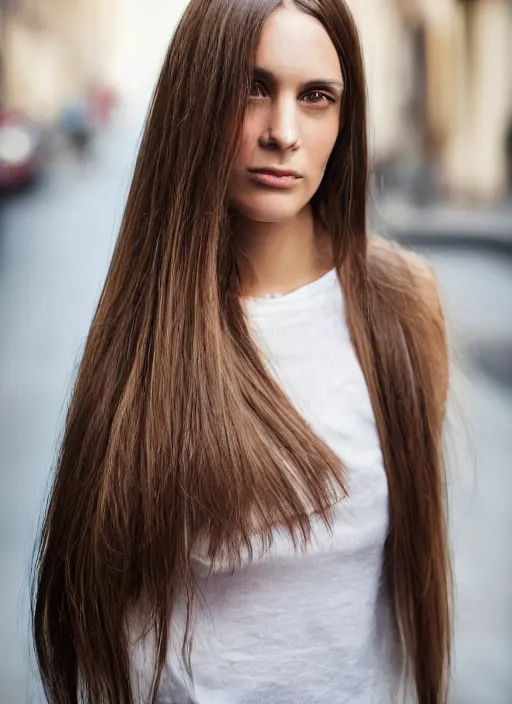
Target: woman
x,y
249,500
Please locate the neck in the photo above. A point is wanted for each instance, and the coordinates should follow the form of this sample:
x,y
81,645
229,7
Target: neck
x,y
276,258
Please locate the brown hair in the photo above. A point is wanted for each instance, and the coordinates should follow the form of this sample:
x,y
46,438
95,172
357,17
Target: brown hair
x,y
176,433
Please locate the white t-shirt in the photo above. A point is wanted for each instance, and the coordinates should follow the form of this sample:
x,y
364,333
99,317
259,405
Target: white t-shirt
x,y
310,627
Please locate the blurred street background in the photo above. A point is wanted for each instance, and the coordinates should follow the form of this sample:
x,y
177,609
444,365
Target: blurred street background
x,y
75,80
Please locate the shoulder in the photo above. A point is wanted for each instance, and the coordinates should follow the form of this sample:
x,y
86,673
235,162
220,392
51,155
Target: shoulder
x,y
390,253
408,284
400,266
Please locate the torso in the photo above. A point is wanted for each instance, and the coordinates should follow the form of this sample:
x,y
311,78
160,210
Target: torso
x,y
313,627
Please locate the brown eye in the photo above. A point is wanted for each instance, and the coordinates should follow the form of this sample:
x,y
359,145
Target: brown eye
x,y
258,90
317,97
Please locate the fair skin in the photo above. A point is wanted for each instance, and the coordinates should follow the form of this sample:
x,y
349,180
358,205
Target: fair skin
x,y
291,124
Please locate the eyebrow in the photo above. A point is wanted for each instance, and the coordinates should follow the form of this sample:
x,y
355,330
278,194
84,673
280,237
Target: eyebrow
x,y
330,83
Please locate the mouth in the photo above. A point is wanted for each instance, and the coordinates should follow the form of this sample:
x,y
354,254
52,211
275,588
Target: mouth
x,y
275,178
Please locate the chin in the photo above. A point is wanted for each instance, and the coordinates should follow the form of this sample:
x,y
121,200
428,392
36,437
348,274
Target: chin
x,y
269,209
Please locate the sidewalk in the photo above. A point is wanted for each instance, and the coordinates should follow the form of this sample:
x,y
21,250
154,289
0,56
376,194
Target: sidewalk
x,y
442,225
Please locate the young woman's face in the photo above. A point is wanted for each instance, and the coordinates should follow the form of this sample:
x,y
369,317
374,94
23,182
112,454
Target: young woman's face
x,y
292,119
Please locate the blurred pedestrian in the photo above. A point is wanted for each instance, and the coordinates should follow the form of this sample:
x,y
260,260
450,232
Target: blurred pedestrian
x,y
249,503
77,125
104,102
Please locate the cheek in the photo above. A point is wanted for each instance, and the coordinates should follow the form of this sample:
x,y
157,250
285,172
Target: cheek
x,y
245,158
249,142
320,146
325,144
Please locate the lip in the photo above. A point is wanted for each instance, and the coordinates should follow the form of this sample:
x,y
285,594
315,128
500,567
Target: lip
x,y
275,178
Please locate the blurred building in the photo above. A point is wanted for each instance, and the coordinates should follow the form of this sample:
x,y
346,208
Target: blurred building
x,y
53,51
439,74
440,85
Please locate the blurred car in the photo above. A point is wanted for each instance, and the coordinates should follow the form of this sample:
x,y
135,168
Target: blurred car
x,y
20,150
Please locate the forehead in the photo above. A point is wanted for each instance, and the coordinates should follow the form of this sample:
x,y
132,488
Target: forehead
x,y
292,43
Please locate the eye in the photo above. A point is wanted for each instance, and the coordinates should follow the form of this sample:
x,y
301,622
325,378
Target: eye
x,y
317,97
258,90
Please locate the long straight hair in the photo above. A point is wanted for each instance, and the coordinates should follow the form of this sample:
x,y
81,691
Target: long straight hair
x,y
176,433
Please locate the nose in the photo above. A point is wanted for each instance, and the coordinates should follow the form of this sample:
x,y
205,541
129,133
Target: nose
x,y
283,128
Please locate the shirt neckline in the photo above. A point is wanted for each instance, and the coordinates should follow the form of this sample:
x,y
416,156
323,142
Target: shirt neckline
x,y
304,292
